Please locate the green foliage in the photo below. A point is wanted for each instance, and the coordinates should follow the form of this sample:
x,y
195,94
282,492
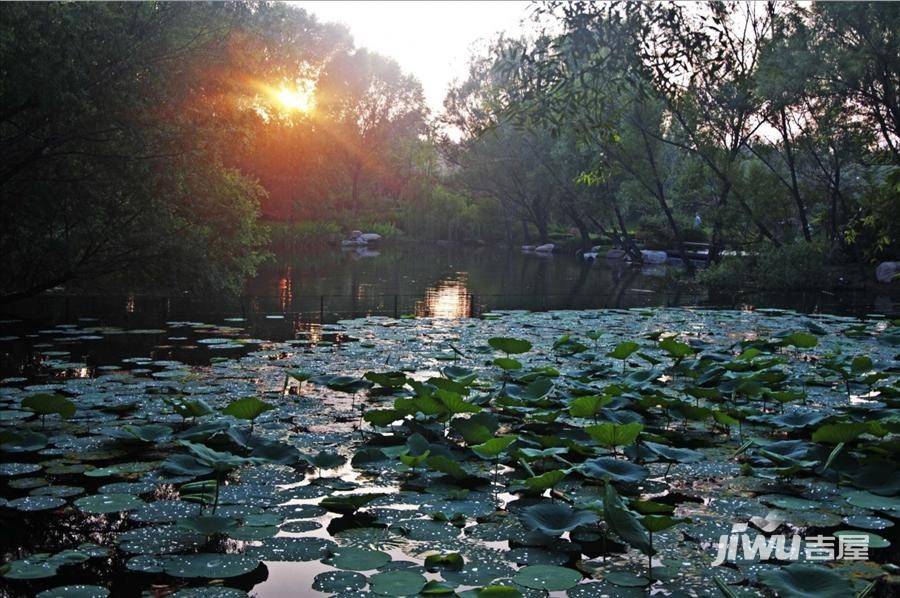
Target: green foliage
x,y
492,448
125,175
611,435
247,408
796,266
49,404
623,522
510,346
874,230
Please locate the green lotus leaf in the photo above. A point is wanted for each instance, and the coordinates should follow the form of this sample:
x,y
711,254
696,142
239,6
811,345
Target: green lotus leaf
x,y
837,433
471,429
185,465
339,582
550,578
397,583
122,469
623,522
328,460
382,417
617,470
147,433
800,580
299,375
108,503
535,391
675,349
75,591
454,403
555,519
190,407
494,591
208,525
801,340
452,561
347,503
218,460
49,404
209,565
508,363
292,549
510,346
248,408
348,384
23,442
611,435
546,480
588,406
658,523
391,380
623,350
358,559
493,447
674,454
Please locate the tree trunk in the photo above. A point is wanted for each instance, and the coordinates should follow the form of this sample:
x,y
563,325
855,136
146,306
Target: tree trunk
x,y
583,230
795,189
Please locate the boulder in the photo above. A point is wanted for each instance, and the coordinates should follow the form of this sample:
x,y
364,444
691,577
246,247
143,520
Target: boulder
x,y
615,254
355,234
546,248
368,237
654,257
887,271
527,247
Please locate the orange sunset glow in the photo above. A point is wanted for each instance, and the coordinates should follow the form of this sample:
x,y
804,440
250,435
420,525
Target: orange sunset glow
x,y
295,99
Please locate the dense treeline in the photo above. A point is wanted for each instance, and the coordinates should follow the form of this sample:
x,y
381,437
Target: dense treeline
x,y
170,141
766,128
152,139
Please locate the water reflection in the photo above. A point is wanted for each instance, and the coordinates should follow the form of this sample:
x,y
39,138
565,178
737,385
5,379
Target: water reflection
x,y
286,290
447,299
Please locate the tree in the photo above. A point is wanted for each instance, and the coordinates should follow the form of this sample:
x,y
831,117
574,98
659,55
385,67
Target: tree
x,y
370,109
114,140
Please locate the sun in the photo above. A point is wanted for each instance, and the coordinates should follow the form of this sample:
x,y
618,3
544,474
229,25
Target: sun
x,y
293,99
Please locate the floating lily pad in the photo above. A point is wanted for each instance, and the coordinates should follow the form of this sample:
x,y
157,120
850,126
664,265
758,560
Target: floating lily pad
x,y
12,469
336,582
209,565
109,503
76,591
547,577
358,559
626,579
397,583
36,503
292,549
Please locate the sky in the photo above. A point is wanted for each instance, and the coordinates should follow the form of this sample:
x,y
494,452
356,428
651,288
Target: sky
x,y
431,40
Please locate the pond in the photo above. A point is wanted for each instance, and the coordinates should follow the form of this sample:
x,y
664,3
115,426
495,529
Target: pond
x,y
320,437
299,290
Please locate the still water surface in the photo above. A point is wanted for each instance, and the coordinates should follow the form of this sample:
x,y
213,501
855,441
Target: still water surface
x,y
296,293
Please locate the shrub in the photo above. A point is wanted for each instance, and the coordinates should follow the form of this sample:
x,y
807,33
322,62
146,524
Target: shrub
x,y
387,230
793,266
307,232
